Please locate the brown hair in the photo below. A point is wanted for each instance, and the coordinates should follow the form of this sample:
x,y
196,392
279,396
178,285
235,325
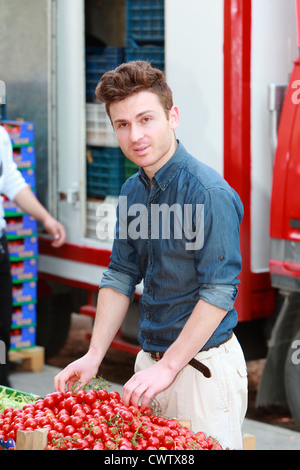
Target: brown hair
x,y
131,78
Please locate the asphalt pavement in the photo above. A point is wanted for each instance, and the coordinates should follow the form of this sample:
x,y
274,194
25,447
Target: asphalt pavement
x,y
267,437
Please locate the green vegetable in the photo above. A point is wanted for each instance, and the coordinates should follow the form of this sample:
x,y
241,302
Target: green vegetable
x,y
14,398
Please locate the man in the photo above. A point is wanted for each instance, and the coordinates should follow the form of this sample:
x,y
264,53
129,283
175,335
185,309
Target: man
x,y
190,286
13,185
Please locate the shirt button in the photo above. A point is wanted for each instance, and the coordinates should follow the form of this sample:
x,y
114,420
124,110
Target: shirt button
x,y
150,261
148,316
147,290
148,341
163,185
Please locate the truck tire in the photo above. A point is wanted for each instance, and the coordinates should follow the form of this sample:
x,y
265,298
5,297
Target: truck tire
x,y
292,377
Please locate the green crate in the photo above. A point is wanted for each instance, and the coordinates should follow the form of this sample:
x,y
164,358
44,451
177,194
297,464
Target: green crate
x,y
17,393
130,168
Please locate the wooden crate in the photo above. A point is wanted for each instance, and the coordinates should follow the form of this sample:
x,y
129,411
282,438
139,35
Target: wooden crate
x,y
32,440
30,360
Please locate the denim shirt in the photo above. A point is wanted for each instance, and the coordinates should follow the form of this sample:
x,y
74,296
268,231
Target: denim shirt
x,y
177,269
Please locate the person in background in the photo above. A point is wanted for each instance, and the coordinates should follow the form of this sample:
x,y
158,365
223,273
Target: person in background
x,y
190,360
15,188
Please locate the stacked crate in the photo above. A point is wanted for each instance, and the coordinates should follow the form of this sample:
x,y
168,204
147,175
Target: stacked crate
x,y
21,232
98,61
145,31
105,161
107,167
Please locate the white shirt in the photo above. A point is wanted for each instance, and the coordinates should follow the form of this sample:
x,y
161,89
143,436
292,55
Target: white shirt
x,y
11,179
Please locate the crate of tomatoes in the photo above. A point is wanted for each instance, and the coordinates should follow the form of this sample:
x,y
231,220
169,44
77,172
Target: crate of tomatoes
x,y
95,419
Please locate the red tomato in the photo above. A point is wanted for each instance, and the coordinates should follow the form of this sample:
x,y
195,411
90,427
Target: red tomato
x,y
98,446
102,394
97,432
51,434
134,410
80,396
70,402
65,419
49,401
59,427
76,421
69,430
168,442
90,397
153,442
126,415
30,423
159,434
58,397
114,395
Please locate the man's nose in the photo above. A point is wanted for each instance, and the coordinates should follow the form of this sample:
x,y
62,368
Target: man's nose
x,y
136,133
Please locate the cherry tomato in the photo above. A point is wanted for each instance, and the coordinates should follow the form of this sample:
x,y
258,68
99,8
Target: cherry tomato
x,y
80,396
69,430
76,421
70,402
49,401
102,394
153,442
58,397
90,397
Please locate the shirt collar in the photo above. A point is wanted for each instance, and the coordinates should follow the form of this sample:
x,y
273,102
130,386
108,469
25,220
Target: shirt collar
x,y
166,173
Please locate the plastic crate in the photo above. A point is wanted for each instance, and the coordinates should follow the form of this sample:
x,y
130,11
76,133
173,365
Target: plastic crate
x,y
24,269
21,133
25,292
145,21
20,226
23,248
98,61
10,391
22,338
99,130
24,157
24,315
105,173
153,54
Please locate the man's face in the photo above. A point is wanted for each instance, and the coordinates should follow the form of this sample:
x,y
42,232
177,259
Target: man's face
x,y
144,132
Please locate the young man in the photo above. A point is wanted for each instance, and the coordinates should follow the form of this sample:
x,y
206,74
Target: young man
x,y
190,276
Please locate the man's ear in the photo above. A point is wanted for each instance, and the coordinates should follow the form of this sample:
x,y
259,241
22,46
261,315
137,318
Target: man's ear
x,y
174,117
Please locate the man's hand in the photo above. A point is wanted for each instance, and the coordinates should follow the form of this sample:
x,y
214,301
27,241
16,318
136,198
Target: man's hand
x,y
147,383
55,229
83,369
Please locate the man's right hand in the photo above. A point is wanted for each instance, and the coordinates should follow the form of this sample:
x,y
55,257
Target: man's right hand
x,y
83,370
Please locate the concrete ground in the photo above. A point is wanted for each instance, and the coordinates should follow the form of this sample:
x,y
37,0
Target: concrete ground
x,y
267,437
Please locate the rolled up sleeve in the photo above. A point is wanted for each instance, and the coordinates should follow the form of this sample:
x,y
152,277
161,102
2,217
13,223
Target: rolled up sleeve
x,y
222,296
119,281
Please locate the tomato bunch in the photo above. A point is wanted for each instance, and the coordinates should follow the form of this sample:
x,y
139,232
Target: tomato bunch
x,y
98,420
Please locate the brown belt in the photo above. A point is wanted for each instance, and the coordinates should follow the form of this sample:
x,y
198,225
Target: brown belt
x,y
193,362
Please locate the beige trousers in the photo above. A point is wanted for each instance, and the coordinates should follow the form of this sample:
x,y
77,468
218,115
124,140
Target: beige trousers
x,y
215,405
